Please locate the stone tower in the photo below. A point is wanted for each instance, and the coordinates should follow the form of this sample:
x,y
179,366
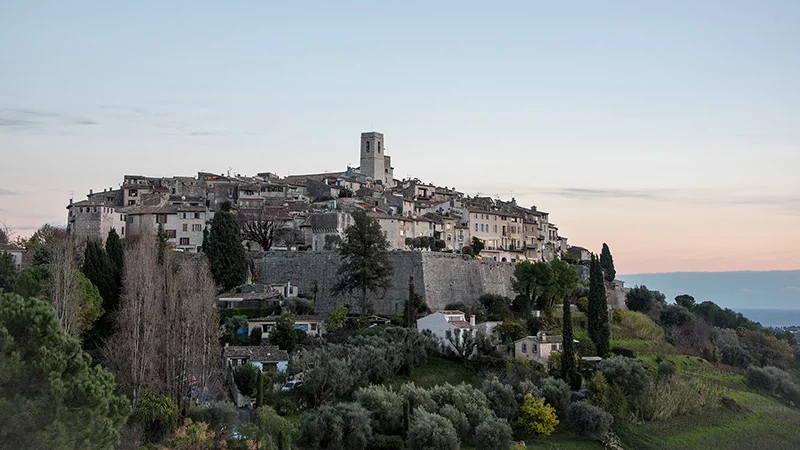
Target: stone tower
x,y
374,162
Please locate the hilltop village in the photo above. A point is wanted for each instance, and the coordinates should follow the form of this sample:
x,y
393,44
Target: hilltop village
x,y
311,211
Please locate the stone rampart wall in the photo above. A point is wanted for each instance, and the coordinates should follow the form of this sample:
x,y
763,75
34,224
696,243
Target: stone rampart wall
x,y
441,278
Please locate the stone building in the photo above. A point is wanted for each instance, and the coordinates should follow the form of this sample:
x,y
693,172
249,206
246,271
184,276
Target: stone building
x,y
17,253
538,348
375,163
182,224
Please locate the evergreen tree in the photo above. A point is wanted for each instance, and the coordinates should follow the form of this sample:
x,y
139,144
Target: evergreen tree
x,y
116,255
607,264
8,273
161,238
225,251
98,269
51,396
260,390
365,260
569,369
598,308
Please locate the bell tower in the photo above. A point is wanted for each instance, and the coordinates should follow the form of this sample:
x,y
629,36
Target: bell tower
x,y
372,156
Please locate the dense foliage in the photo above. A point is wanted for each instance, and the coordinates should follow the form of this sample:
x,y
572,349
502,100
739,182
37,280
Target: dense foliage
x,y
365,260
225,251
50,394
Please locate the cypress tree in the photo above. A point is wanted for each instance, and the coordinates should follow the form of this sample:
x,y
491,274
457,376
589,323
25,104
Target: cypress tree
x,y
225,252
98,269
116,254
260,390
598,308
569,370
607,264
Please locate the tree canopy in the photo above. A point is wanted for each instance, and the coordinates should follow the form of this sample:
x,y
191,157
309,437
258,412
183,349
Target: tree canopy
x,y
50,394
365,260
599,330
607,264
224,250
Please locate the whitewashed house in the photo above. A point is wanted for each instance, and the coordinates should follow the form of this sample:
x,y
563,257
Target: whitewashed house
x,y
442,321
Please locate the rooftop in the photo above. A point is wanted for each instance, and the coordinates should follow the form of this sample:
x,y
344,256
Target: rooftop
x,y
259,353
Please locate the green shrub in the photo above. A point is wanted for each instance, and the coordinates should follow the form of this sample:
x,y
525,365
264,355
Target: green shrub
x,y
774,381
493,434
342,426
157,414
556,392
220,416
589,419
627,373
501,398
385,408
246,379
384,442
536,417
665,370
431,431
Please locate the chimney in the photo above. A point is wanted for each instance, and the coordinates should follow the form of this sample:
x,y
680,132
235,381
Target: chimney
x,y
472,320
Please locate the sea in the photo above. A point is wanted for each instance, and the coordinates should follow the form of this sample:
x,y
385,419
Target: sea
x,y
772,317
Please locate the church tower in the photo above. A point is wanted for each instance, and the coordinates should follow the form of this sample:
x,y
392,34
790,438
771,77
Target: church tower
x,y
373,157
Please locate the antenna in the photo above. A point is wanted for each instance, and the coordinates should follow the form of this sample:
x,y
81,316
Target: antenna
x,y
71,195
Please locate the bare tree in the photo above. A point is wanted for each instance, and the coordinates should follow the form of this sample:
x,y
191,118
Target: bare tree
x,y
64,291
167,327
290,236
132,350
259,226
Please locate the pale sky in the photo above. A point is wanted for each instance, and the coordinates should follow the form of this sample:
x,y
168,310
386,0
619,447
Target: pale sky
x,y
671,131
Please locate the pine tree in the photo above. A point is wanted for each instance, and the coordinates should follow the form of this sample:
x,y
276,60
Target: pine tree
x,y
365,260
607,264
225,251
598,308
569,370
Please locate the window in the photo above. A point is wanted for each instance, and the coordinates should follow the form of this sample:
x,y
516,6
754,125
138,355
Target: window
x,y
121,218
123,231
131,202
534,348
367,146
524,348
170,234
185,241
197,227
198,215
554,347
476,227
133,192
495,228
314,326
161,218
182,215
185,227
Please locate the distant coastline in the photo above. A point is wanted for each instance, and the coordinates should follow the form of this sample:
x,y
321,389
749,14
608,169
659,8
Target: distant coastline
x,y
771,298
772,317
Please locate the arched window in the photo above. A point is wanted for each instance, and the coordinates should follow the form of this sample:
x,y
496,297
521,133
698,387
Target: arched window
x,y
367,146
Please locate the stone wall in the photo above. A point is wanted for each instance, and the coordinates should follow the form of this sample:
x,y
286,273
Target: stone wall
x,y
441,278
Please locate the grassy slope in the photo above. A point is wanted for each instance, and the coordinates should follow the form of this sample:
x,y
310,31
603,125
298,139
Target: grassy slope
x,y
438,371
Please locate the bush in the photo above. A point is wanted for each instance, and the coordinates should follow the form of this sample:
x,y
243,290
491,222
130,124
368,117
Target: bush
x,y
246,379
536,417
493,434
583,304
384,442
589,419
556,392
674,315
385,408
585,347
627,373
500,397
157,414
774,381
220,416
274,431
458,419
665,370
345,425
430,431
639,298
